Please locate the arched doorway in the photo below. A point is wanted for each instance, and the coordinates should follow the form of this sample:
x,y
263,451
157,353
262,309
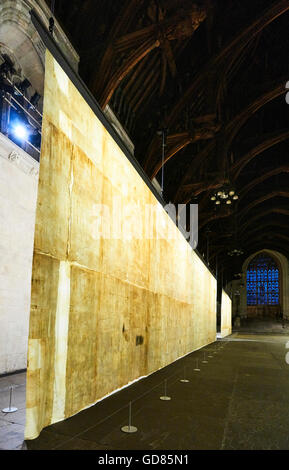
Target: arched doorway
x,y
264,286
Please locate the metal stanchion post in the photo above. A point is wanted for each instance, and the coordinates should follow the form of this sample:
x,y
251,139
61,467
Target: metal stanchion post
x,y
205,361
129,429
10,409
165,397
184,380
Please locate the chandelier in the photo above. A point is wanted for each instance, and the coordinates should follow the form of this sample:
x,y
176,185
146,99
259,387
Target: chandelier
x,y
225,195
236,252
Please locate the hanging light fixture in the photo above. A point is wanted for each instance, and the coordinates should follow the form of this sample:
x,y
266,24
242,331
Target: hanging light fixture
x,y
235,249
236,252
238,275
225,195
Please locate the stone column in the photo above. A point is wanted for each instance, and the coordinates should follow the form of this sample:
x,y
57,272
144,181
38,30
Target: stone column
x,y
19,35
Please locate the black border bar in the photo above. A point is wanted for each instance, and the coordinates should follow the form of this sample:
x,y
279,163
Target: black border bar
x,y
93,104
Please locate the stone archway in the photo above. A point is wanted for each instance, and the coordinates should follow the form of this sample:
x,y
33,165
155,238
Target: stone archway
x,y
264,286
284,291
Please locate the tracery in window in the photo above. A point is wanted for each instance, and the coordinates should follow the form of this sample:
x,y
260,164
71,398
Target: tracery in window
x,y
263,281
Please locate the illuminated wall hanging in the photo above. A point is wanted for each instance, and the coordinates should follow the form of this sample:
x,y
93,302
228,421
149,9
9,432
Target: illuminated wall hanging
x,y
104,310
226,315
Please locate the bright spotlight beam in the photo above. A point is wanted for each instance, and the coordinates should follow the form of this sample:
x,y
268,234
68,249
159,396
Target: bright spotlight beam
x,y
20,132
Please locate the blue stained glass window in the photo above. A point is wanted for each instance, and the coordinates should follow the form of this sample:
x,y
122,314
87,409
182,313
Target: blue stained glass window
x,y
263,281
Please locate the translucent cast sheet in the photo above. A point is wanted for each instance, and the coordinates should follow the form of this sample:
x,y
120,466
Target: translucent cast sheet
x,y
104,310
226,315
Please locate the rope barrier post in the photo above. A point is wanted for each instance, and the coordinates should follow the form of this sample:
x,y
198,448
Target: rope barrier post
x,y
165,397
210,354
197,366
205,361
10,409
184,380
129,429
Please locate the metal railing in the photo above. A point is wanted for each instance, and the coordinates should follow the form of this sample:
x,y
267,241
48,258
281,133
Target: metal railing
x,y
18,113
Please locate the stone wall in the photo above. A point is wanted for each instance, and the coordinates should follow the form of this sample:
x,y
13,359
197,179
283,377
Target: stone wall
x,y
18,192
19,35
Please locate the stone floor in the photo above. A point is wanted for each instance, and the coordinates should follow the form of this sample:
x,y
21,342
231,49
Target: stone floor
x,y
238,400
12,424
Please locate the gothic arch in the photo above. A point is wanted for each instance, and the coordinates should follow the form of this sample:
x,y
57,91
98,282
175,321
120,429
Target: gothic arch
x,y
282,262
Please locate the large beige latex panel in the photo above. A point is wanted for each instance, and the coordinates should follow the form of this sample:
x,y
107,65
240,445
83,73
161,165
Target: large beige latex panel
x,y
92,297
226,315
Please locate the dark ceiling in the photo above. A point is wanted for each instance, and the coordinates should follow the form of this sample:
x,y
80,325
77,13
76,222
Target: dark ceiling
x,y
213,74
